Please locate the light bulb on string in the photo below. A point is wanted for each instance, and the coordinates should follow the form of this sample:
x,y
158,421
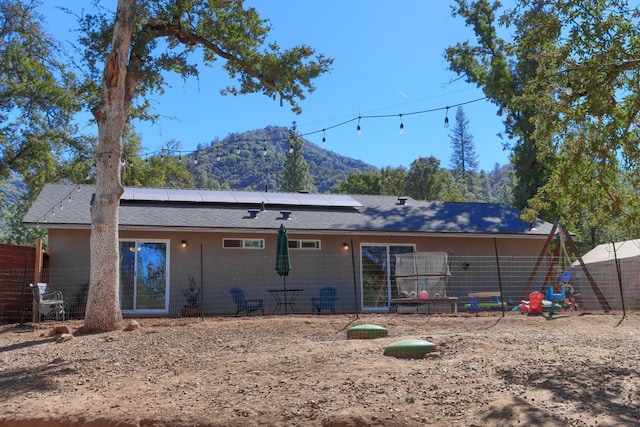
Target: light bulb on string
x,y
446,118
218,156
569,89
238,149
358,128
195,159
290,148
401,125
324,138
264,152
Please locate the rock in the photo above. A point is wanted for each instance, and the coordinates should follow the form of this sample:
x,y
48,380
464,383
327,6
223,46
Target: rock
x,y
59,330
65,337
132,326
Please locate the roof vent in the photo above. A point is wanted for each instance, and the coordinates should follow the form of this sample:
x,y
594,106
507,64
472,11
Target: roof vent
x,y
285,214
253,213
402,200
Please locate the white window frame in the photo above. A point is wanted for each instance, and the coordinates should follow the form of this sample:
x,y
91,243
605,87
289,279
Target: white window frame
x,y
167,295
243,243
317,244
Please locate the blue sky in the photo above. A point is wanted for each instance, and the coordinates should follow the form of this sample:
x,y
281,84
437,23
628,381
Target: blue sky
x,y
388,60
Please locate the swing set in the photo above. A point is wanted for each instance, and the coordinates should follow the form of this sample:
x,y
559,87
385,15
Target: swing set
x,y
561,292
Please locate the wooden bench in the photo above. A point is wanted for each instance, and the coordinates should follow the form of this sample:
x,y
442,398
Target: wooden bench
x,y
418,302
493,304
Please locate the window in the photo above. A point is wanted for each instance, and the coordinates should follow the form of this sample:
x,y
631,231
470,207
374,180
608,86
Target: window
x,y
243,243
144,276
304,244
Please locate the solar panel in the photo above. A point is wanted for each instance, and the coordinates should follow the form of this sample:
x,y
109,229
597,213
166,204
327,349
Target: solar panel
x,y
248,197
342,200
217,196
184,195
244,197
155,194
280,198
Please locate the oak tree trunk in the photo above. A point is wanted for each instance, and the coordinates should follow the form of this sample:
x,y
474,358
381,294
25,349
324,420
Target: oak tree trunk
x,y
103,303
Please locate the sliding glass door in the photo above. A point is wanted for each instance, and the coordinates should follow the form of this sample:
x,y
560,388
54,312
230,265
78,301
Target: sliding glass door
x,y
144,275
378,274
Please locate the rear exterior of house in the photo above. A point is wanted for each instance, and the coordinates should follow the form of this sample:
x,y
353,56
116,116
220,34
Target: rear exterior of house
x,y
177,243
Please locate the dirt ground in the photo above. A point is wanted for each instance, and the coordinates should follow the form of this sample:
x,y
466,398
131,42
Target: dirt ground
x,y
573,369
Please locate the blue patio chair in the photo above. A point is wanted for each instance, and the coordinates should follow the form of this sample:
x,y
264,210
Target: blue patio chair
x,y
326,300
246,305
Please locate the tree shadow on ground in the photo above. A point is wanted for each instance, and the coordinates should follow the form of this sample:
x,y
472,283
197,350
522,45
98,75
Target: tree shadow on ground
x,y
26,344
31,379
599,390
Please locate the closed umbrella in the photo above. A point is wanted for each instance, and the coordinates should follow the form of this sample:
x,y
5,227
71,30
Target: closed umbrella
x,y
283,261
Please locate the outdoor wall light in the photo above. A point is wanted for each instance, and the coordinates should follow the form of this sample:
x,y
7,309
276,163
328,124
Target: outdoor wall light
x,y
183,243
345,246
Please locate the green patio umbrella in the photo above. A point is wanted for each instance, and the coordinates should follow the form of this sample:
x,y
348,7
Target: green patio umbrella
x,y
283,261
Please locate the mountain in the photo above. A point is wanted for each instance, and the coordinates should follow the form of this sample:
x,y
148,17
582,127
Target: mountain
x,y
11,190
254,160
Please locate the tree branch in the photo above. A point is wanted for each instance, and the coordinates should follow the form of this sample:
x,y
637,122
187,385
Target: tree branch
x,y
163,28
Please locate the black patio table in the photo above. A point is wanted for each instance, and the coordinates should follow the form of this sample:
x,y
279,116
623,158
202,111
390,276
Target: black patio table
x,y
285,297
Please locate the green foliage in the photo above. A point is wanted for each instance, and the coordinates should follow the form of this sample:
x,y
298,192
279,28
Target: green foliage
x,y
426,180
173,35
192,293
243,164
501,70
463,151
38,100
15,203
360,182
159,171
576,155
296,169
394,181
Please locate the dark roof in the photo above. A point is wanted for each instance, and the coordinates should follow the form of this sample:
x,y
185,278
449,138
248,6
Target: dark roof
x,y
68,206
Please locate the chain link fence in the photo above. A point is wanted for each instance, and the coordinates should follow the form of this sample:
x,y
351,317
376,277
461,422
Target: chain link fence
x,y
370,283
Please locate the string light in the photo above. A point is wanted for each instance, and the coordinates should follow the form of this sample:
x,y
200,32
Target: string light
x,y
359,118
568,90
59,205
290,148
218,156
504,109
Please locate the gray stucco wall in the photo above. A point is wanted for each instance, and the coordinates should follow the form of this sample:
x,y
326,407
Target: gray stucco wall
x,y
473,265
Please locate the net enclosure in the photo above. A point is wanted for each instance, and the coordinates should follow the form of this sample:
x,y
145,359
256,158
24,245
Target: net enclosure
x,y
422,271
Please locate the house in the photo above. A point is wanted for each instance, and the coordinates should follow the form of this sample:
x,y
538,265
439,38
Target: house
x,y
214,240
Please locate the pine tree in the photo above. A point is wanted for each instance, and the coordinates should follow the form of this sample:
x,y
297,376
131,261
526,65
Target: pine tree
x,y
463,160
296,169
